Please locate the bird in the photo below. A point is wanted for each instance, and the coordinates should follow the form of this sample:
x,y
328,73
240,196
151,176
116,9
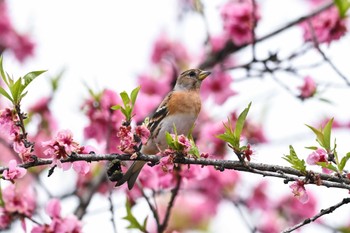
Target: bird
x,y
179,108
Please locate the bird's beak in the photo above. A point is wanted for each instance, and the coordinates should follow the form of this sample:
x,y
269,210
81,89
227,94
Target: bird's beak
x,y
203,74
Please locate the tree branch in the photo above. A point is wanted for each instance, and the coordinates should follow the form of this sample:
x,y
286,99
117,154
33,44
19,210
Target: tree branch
x,y
217,57
286,173
320,214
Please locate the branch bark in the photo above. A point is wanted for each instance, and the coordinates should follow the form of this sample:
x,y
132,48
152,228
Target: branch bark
x,y
286,173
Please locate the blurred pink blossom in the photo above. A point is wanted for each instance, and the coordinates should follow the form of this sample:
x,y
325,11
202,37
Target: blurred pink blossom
x,y
165,48
327,26
21,45
5,219
295,211
14,172
61,146
308,89
143,133
299,191
103,122
127,143
19,200
238,21
319,155
59,224
259,197
218,86
218,42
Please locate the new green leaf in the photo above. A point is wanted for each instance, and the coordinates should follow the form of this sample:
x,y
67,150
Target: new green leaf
x,y
134,224
343,6
292,158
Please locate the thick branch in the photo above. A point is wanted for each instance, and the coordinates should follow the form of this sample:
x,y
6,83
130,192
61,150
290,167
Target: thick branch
x,y
286,173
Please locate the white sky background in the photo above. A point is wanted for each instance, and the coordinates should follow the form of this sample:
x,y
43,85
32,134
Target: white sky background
x,y
107,43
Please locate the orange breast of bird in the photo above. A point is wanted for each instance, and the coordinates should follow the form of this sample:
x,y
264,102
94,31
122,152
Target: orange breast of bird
x,y
185,102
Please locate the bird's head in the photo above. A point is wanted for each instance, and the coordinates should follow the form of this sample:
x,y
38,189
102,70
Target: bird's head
x,y
191,79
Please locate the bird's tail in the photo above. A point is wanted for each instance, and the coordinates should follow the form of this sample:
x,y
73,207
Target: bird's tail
x,y
132,173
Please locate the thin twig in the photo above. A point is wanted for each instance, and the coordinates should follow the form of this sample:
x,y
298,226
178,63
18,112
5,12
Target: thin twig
x,y
150,205
216,57
111,209
330,63
320,214
253,29
174,192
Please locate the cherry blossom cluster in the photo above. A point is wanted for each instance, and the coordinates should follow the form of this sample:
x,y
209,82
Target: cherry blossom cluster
x,y
131,140
58,223
239,19
61,147
19,203
11,131
20,44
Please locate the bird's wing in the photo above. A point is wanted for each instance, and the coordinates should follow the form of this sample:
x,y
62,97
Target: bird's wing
x,y
157,117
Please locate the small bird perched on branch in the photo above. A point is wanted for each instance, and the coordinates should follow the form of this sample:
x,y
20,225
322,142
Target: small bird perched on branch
x,y
180,107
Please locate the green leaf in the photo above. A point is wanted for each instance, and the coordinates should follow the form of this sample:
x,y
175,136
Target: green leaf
x,y
292,158
16,90
5,94
343,161
2,203
240,122
2,72
28,78
134,224
328,166
125,98
327,135
134,94
194,150
116,107
319,135
343,6
227,138
169,139
311,147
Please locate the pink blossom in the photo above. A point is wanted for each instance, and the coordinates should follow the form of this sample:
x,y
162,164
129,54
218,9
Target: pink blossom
x,y
165,48
259,197
103,122
145,105
198,212
13,171
61,146
319,155
21,45
218,42
207,140
8,119
25,153
5,219
53,208
81,167
327,26
218,86
143,133
59,224
308,89
294,211
127,143
299,191
152,85
21,201
183,141
238,21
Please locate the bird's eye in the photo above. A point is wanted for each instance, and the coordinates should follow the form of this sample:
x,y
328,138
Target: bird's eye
x,y
192,74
